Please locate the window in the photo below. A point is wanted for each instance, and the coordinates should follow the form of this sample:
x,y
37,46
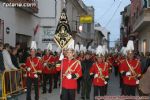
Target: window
x,y
144,3
148,3
88,27
144,46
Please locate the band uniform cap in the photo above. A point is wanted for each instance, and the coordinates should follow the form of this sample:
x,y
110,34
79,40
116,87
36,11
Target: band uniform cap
x,y
100,51
33,45
130,46
77,49
49,46
71,45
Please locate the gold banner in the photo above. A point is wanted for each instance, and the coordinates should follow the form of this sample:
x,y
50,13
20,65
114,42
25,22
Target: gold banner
x,y
62,36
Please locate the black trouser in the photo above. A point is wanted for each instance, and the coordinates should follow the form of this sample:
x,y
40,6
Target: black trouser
x,y
45,78
68,94
116,70
99,90
86,88
29,86
79,85
129,90
121,85
56,77
106,86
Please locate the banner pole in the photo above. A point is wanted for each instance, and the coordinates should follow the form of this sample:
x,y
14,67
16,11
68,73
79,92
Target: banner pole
x,y
61,76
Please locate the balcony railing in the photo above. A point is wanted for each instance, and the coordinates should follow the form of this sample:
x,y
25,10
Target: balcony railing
x,y
142,19
28,5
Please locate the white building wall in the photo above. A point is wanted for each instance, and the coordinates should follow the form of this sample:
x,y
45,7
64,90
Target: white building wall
x,y
19,21
49,13
46,8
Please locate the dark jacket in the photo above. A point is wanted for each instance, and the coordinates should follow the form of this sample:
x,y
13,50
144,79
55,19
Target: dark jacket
x,y
2,67
15,61
86,65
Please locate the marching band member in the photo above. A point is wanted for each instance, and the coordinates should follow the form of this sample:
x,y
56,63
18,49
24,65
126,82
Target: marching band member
x,y
71,71
48,64
121,58
55,72
34,67
80,57
99,71
131,71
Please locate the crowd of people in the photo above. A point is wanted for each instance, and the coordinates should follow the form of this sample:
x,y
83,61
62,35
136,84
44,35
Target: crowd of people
x,y
77,71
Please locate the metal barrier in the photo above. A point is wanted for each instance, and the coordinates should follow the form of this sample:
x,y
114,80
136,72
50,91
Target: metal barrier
x,y
12,82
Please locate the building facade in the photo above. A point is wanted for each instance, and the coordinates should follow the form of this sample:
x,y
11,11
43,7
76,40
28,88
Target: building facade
x,y
17,24
101,36
49,21
125,26
22,25
140,21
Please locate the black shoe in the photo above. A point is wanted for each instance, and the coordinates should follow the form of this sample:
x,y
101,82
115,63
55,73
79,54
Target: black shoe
x,y
82,98
55,87
44,92
50,91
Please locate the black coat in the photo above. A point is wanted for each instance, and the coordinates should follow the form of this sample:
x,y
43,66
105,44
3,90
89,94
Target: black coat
x,y
86,65
2,67
14,61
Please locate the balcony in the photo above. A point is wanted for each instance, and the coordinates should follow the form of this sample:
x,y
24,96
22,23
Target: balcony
x,y
80,6
32,5
142,20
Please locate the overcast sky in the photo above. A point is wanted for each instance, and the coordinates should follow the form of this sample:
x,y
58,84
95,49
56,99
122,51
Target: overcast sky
x,y
104,10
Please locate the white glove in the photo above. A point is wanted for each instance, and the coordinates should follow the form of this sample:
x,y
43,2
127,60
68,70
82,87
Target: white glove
x,y
28,69
128,73
35,75
45,64
39,57
14,68
137,81
25,75
96,75
69,76
105,82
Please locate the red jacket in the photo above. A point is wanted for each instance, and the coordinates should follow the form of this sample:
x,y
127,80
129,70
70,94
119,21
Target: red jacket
x,y
34,64
56,59
99,81
50,59
124,67
75,68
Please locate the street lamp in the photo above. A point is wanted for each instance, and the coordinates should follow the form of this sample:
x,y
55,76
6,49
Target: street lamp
x,y
7,30
80,28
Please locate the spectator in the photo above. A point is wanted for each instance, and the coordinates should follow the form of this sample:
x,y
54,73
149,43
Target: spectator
x,y
18,47
143,60
19,52
148,60
25,55
7,59
2,68
14,57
